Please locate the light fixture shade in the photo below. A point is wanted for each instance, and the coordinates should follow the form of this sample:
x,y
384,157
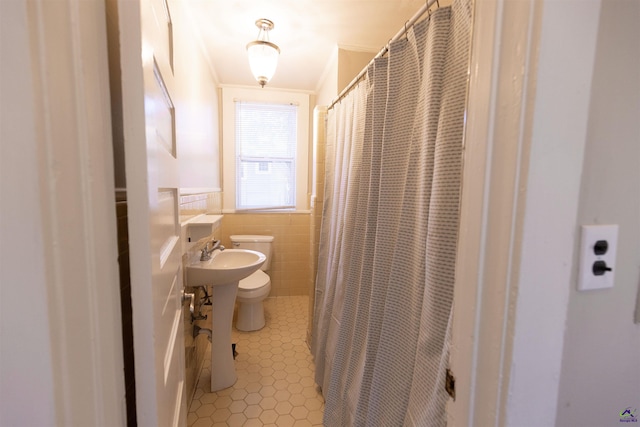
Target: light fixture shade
x,y
263,55
263,60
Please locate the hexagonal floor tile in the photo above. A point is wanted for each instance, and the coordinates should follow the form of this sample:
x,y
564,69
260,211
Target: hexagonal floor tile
x,y
276,384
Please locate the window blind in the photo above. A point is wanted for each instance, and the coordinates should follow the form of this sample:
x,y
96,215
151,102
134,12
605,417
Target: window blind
x,y
265,155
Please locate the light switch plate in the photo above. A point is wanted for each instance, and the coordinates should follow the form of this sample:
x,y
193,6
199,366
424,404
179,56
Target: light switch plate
x,y
587,279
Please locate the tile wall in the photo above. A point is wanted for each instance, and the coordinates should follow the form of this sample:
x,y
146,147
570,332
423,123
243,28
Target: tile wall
x,y
317,204
196,204
291,267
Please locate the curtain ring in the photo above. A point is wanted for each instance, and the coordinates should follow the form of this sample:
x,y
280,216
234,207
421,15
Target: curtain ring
x,y
438,3
406,33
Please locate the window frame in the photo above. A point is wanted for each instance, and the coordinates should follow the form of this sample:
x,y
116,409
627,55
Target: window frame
x,y
230,94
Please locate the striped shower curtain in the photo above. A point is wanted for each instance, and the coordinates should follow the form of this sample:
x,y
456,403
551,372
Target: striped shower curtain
x,y
384,288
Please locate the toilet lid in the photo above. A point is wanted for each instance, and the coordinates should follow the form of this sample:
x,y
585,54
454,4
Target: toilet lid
x,y
257,280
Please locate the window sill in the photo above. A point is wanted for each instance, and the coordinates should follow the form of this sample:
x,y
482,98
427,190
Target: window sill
x,y
267,211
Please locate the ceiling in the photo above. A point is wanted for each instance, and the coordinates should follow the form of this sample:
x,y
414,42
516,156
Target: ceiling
x,y
307,32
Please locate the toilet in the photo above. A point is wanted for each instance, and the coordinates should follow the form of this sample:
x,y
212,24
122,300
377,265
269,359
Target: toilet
x,y
254,289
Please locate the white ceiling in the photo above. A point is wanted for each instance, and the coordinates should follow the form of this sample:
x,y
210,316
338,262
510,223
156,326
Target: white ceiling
x,y
307,32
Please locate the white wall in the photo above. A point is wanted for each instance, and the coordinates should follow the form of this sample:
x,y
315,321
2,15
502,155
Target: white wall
x,y
327,88
601,362
61,341
26,374
350,64
195,97
342,68
551,182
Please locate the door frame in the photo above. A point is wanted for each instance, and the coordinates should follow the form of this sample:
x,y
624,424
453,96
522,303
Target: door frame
x,y
521,183
492,208
77,251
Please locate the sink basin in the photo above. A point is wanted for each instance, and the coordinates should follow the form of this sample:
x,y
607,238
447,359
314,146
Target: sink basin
x,y
226,267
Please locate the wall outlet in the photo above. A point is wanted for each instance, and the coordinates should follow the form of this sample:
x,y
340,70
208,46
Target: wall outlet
x,y
597,256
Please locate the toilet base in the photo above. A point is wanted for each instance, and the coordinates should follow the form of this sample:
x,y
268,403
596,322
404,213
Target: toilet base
x,y
250,316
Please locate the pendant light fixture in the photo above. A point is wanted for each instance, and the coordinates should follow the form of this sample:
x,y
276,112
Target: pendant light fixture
x,y
263,55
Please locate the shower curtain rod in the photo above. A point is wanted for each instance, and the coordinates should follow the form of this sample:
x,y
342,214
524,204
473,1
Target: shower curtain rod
x,y
385,49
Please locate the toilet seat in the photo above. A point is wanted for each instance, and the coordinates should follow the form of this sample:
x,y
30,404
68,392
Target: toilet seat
x,y
257,285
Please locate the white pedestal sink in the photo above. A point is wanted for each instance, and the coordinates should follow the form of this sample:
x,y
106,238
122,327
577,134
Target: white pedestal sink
x,y
223,272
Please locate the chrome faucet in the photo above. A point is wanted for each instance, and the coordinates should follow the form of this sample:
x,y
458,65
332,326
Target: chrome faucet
x,y
206,253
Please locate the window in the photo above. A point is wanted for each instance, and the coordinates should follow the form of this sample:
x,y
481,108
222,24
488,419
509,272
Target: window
x,y
265,150
266,136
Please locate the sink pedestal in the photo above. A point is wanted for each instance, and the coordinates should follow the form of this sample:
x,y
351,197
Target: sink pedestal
x,y
222,271
223,370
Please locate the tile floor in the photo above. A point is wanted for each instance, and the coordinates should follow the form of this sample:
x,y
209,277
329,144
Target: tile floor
x,y
275,384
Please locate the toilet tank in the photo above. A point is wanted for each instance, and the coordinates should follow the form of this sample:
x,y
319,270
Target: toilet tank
x,y
255,243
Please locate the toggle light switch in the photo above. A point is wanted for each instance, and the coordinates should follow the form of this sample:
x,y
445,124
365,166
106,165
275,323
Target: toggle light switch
x,y
597,256
600,267
601,247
